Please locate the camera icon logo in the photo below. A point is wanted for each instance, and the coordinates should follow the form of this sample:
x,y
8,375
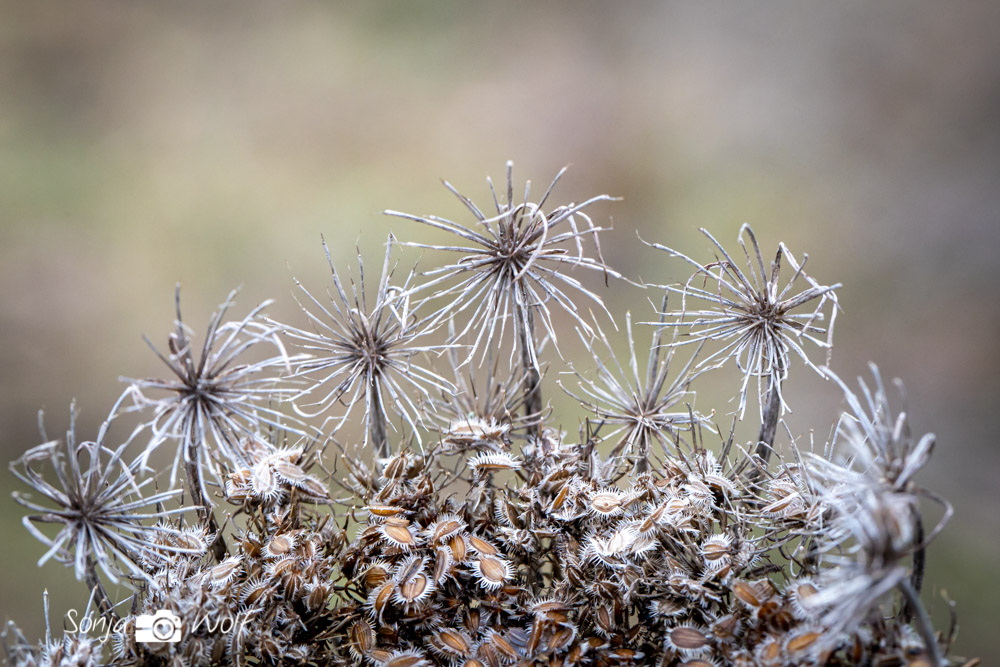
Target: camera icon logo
x,y
163,626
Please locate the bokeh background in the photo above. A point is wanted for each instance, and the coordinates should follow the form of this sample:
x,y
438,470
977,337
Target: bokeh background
x,y
144,144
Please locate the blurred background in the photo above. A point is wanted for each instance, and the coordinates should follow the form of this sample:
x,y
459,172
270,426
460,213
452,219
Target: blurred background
x,y
145,144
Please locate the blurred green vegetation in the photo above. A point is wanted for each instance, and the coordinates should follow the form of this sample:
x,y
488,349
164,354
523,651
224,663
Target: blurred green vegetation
x,y
147,144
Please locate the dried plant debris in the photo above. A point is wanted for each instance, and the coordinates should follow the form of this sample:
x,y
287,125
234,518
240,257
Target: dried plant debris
x,y
462,526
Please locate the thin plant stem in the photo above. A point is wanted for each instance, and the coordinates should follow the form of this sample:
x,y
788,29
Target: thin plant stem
x,y
94,584
532,379
919,565
768,427
205,512
924,626
376,423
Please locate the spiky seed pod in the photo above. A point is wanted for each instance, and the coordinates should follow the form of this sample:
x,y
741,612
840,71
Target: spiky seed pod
x,y
491,571
379,599
451,644
444,528
361,638
503,647
688,640
487,462
397,532
225,572
606,503
411,658
717,552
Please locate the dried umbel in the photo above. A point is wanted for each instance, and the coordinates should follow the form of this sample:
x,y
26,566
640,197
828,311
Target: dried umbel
x,y
466,528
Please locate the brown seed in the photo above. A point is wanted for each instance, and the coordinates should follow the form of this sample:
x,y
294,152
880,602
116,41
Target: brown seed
x,y
362,638
408,659
314,488
688,639
560,638
606,502
802,641
458,548
805,590
279,545
442,564
493,571
379,654
473,618
381,599
546,606
726,627
482,546
452,642
409,569
290,472
398,534
715,551
375,575
494,462
318,597
282,566
605,621
560,498
746,593
772,651
385,510
414,588
503,647
445,529
223,571
697,662
489,654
